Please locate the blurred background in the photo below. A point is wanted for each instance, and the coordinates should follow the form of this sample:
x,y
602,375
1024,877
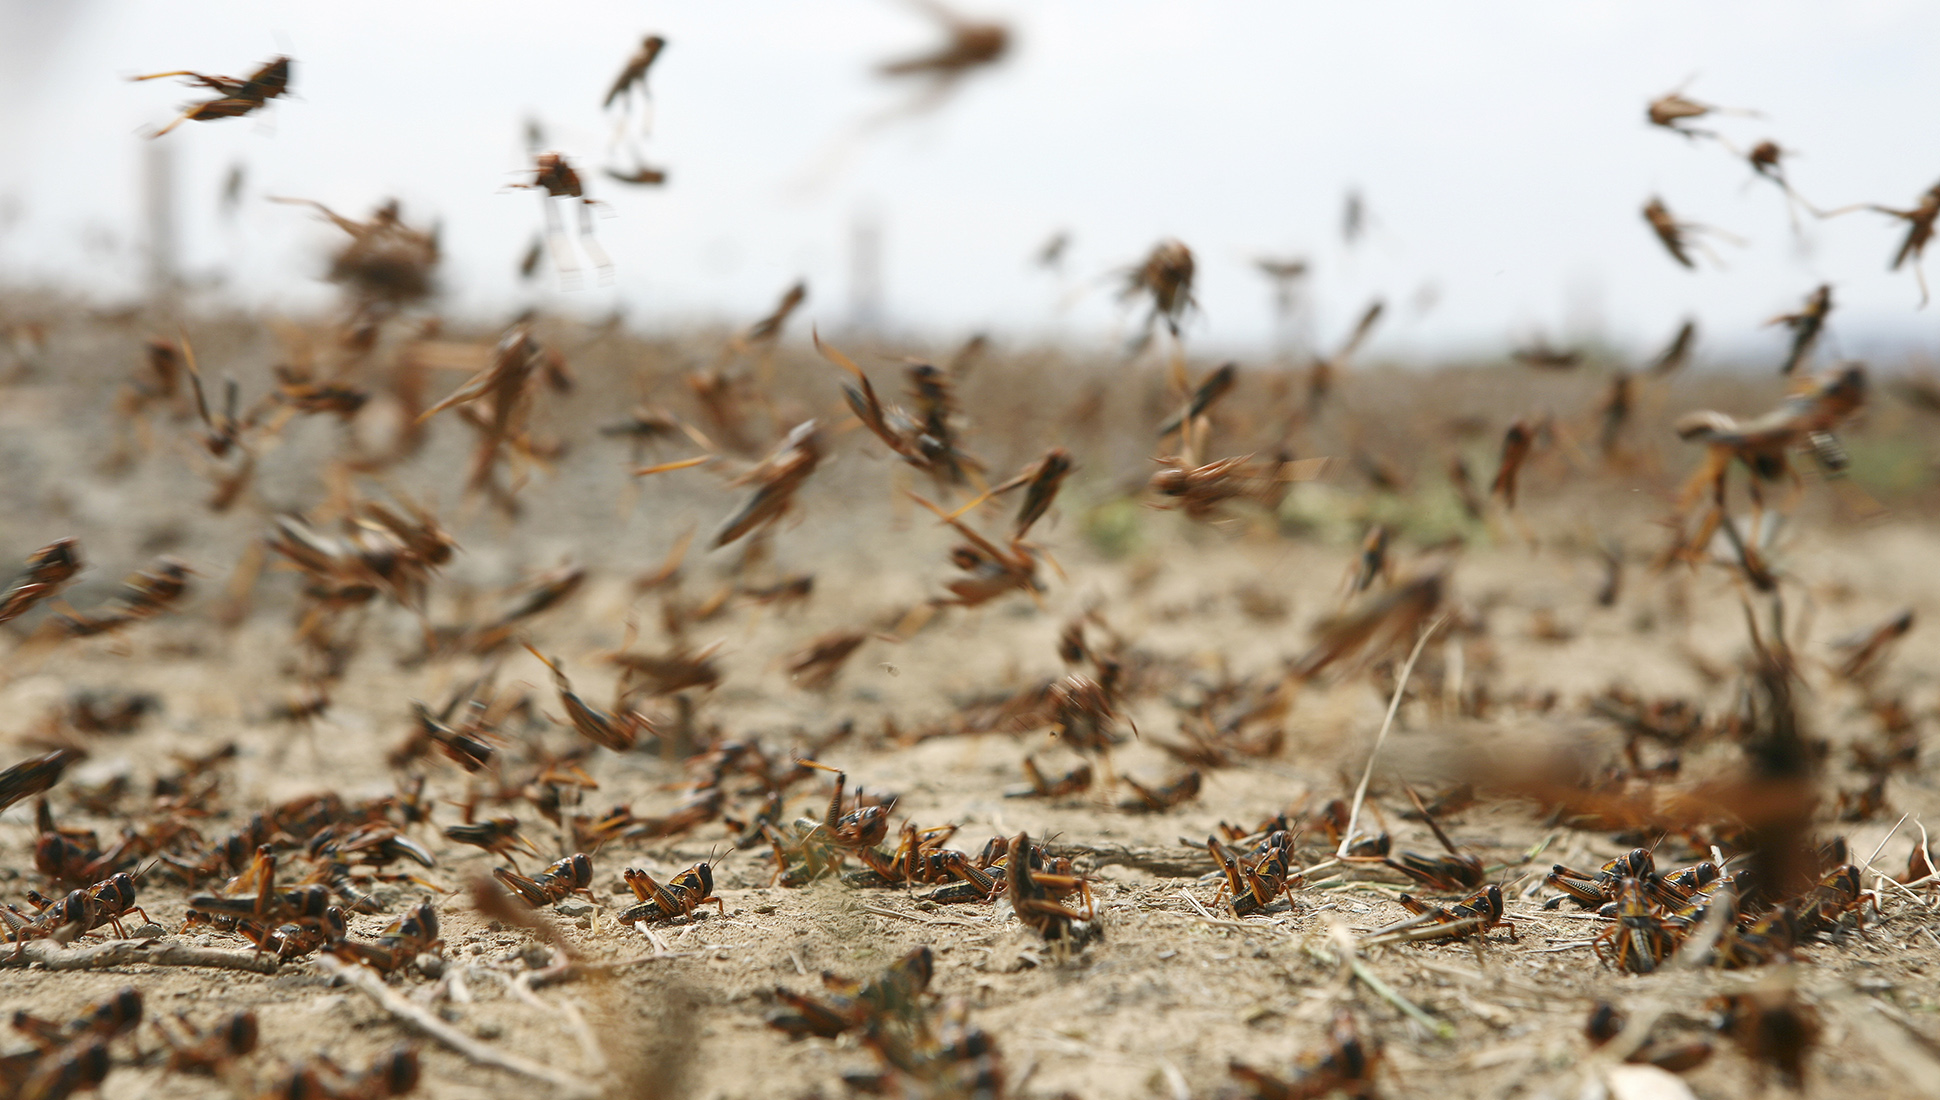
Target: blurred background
x,y
1499,153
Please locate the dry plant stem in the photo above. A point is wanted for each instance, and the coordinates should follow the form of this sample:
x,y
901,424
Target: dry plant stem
x,y
1428,932
589,1048
130,952
1881,876
1345,946
1323,865
1881,846
1206,916
1386,992
879,911
1394,707
425,1021
1160,861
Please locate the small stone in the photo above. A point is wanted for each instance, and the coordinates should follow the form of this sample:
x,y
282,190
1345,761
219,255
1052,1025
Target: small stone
x,y
429,965
488,1031
150,931
574,907
765,909
583,922
535,957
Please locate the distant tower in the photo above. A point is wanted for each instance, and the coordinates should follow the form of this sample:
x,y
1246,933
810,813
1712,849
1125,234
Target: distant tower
x,y
865,273
159,210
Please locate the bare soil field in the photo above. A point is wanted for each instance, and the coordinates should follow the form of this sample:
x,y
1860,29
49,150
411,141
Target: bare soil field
x,y
1210,624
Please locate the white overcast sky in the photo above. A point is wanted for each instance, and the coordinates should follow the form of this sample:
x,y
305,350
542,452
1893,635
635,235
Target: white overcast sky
x,y
1501,148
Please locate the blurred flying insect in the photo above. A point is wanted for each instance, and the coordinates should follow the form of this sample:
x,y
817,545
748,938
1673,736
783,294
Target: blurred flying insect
x,y
1615,412
49,569
111,1017
143,595
236,97
1611,553
1675,1056
555,178
1152,800
529,259
1325,372
777,479
497,404
1544,357
59,1073
1346,1065
1767,160
1922,392
499,836
387,264
1287,275
34,775
1772,1026
618,731
195,1050
1463,480
1517,442
851,1004
1213,387
1868,649
1380,622
766,332
1372,563
1040,481
815,666
1763,445
1354,217
1677,352
1203,491
1050,254
396,1072
1674,108
1806,325
1677,236
232,190
223,431
993,570
1919,231
1075,781
970,45
1165,277
642,175
633,75
928,443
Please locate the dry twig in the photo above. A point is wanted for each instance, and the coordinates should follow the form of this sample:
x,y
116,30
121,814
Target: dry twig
x,y
424,1020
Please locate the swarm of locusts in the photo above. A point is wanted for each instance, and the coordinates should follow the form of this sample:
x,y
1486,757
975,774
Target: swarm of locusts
x,y
1710,839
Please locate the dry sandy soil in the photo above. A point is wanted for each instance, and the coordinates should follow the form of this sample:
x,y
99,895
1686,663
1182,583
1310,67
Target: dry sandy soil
x,y
1169,996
